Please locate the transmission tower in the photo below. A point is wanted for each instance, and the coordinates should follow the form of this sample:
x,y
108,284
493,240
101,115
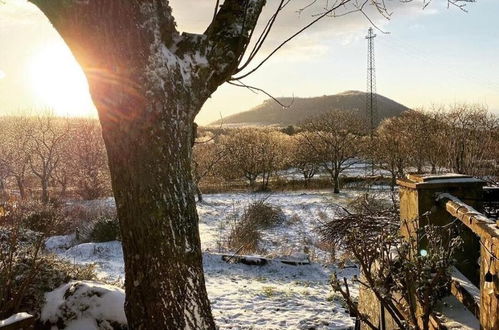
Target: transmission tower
x,y
371,106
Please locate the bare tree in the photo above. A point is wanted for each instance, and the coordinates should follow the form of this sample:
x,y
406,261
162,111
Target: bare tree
x,y
88,155
252,153
206,157
472,138
304,158
148,82
44,147
336,137
390,149
14,150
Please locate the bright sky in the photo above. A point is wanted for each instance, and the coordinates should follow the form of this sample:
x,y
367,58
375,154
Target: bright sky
x,y
431,56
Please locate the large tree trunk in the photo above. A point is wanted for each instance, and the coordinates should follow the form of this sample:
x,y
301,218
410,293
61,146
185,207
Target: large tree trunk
x,y
151,177
148,82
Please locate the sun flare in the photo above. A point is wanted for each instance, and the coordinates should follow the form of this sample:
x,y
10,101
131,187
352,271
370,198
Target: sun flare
x,y
59,82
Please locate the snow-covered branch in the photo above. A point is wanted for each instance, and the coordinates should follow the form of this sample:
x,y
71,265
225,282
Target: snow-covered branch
x,y
228,37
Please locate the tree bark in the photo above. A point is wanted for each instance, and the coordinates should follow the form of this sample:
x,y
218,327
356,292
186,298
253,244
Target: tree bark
x,y
393,181
199,193
336,183
45,191
148,82
20,185
157,211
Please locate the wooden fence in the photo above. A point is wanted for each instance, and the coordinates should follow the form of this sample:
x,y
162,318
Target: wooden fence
x,y
474,302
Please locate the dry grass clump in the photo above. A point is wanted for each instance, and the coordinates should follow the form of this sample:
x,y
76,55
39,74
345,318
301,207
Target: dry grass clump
x,y
263,215
245,233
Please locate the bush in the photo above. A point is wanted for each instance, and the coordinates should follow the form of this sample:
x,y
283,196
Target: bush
x,y
401,276
105,230
26,273
263,215
245,233
82,215
39,217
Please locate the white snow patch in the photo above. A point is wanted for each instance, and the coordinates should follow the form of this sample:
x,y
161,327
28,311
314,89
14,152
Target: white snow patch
x,y
108,257
60,243
14,318
81,304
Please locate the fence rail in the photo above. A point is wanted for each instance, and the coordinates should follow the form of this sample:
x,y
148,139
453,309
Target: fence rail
x,y
486,307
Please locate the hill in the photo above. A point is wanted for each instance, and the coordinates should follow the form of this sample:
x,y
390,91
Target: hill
x,y
271,113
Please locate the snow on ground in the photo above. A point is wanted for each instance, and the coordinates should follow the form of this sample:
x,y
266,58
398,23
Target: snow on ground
x,y
304,211
273,296
14,318
60,243
357,169
79,304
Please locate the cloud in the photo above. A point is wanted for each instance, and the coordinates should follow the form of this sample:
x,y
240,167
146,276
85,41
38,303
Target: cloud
x,y
2,74
195,15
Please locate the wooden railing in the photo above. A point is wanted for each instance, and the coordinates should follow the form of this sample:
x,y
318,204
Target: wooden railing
x,y
487,231
440,200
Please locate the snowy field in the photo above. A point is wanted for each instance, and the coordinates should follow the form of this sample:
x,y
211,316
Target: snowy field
x,y
273,296
357,169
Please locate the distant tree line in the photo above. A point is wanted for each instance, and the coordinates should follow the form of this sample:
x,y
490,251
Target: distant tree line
x,y
46,157
462,139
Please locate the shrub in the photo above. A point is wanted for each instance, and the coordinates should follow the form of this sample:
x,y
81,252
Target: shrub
x,y
105,230
81,216
244,235
263,215
39,217
25,272
390,265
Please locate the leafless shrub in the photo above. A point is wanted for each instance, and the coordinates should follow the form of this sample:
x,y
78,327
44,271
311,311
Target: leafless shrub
x,y
245,232
395,269
82,217
370,217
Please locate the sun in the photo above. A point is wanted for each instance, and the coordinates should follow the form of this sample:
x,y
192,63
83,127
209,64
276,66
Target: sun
x,y
59,83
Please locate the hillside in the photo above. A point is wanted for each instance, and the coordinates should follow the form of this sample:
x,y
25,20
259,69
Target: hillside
x,y
271,113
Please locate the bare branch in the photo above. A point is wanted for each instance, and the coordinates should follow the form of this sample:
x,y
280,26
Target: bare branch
x,y
289,39
256,89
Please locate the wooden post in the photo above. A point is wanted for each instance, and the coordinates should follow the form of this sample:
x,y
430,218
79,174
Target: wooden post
x,y
489,284
418,207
